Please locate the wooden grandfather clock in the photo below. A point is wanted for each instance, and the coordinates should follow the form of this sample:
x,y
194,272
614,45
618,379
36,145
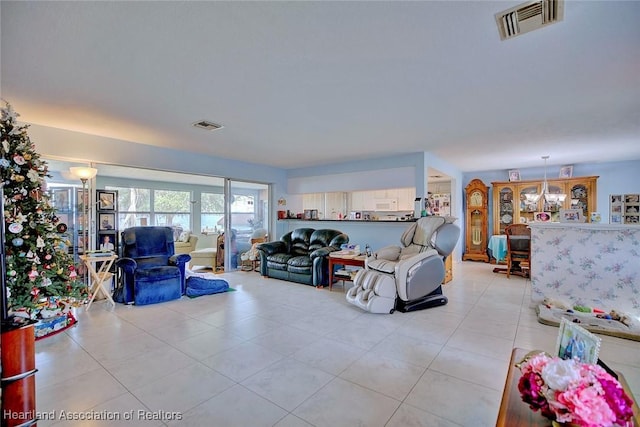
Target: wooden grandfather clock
x,y
477,220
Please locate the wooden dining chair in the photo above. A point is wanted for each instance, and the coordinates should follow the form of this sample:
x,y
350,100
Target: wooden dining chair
x,y
518,247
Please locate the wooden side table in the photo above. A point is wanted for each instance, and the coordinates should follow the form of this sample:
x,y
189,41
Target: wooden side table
x,y
97,278
515,413
356,261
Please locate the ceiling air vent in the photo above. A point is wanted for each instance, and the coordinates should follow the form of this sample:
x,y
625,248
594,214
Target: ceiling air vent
x,y
206,125
528,17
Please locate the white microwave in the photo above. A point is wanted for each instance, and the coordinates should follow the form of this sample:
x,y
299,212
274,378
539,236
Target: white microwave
x,y
385,204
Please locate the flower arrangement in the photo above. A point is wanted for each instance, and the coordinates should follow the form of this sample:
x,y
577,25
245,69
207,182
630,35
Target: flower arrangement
x,y
568,391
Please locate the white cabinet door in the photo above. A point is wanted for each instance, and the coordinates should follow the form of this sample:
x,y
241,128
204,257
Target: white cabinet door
x,y
313,201
406,199
362,201
335,204
357,201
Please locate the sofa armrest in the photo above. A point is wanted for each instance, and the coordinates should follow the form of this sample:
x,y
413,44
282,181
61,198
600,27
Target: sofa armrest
x,y
322,252
128,265
179,259
270,248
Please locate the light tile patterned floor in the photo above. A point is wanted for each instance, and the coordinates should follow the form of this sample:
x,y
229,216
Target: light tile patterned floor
x,y
275,353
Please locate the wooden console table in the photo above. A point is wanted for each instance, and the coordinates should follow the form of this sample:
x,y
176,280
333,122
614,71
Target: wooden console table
x,y
515,413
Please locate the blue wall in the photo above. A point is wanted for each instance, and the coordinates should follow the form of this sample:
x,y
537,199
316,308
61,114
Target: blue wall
x,y
614,178
409,170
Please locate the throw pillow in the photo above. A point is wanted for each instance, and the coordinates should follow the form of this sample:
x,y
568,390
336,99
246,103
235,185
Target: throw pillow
x,y
184,236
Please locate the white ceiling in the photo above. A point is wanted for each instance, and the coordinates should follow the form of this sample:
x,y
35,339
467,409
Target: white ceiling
x,y
305,83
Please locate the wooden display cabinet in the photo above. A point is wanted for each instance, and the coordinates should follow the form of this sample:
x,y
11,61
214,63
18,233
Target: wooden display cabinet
x,y
476,221
510,205
448,270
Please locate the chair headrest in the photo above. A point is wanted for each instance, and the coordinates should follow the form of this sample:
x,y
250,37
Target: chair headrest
x,y
446,238
420,232
147,241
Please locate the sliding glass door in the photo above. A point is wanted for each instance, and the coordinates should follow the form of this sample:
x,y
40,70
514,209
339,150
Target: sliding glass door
x,y
203,205
247,213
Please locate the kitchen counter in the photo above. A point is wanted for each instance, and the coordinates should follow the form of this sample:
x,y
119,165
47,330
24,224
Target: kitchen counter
x,y
350,220
587,264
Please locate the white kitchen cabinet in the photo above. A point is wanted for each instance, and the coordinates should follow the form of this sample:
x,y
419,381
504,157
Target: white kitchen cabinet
x,y
335,203
313,201
362,201
406,198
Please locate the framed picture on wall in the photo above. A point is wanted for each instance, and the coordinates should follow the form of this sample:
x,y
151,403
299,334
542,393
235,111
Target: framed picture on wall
x,y
106,221
566,172
106,200
514,175
108,242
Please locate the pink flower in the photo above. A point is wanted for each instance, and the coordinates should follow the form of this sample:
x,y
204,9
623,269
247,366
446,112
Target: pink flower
x,y
531,388
616,398
535,364
586,407
573,392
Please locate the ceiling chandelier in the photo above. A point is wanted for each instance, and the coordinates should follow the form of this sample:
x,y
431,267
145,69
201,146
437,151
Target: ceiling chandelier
x,y
548,197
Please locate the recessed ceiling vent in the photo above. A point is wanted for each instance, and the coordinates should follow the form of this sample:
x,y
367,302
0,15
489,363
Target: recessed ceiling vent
x,y
528,17
207,125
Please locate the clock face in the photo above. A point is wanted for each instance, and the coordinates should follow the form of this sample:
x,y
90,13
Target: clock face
x,y
475,199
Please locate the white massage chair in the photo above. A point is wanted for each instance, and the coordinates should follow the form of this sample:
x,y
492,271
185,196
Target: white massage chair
x,y
407,277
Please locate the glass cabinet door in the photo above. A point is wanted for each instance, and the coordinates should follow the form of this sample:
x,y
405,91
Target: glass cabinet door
x,y
580,198
553,206
505,209
527,207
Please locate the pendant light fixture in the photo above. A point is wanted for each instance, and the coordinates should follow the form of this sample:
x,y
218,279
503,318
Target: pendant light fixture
x,y
554,198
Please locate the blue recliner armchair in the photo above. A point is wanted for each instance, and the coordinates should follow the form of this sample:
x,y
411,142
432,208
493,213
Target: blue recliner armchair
x,y
150,270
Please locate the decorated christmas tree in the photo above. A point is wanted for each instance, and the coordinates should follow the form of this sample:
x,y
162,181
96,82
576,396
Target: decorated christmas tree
x,y
40,275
